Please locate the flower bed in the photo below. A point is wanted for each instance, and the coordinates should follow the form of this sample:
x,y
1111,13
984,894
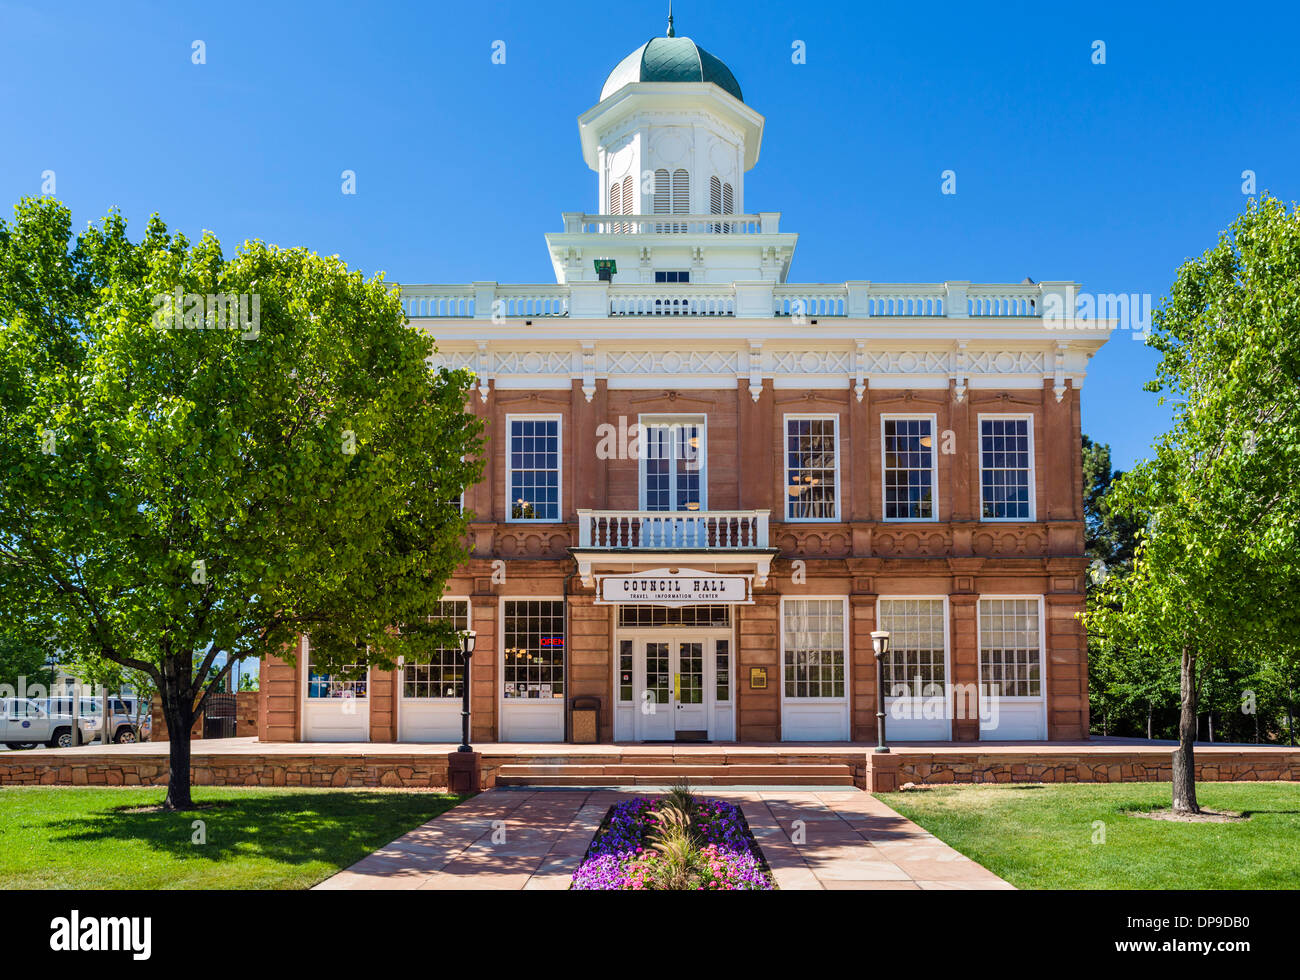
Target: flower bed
x,y
712,850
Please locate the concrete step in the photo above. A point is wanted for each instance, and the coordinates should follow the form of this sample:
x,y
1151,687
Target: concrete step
x,y
701,781
632,774
686,771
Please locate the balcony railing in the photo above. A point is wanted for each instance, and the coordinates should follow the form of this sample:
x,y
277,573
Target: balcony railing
x,y
671,224
658,529
752,300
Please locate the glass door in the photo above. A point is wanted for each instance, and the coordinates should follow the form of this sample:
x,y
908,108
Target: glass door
x,y
690,712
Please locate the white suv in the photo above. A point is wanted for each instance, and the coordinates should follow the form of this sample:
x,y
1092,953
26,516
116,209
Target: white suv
x,y
25,723
122,724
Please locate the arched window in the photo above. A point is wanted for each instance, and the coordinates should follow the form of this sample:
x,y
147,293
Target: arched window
x,y
681,192
663,196
721,201
615,198
629,202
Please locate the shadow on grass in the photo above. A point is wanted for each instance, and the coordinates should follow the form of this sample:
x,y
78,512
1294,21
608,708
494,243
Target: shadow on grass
x,y
339,828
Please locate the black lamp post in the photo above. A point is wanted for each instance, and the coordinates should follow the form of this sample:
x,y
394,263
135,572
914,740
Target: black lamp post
x,y
880,644
467,639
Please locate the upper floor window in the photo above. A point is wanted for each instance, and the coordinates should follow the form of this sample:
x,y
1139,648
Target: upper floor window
x,y
1006,468
533,468
672,463
907,447
673,275
811,468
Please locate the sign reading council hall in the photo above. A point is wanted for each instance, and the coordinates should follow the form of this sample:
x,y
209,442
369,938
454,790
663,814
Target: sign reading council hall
x,y
674,589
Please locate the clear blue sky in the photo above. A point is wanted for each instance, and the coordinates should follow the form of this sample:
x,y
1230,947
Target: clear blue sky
x,y
1110,175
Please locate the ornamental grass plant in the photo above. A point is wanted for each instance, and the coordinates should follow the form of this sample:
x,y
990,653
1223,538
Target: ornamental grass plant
x,y
677,843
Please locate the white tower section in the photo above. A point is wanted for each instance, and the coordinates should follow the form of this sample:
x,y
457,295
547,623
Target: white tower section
x,y
670,142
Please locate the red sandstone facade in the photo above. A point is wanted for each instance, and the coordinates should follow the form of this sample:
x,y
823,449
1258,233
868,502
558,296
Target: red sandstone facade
x,y
859,557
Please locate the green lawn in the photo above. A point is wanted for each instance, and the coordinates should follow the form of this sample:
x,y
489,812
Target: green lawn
x,y
71,837
1041,836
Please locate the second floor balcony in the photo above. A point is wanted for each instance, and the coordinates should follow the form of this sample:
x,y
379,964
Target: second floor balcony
x,y
658,530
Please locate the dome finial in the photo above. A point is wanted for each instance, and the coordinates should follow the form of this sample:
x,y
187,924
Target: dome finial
x,y
671,32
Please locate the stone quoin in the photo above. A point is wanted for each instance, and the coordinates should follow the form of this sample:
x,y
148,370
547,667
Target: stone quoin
x,y
707,484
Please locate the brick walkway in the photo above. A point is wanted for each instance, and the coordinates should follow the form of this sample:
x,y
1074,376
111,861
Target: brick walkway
x,y
521,839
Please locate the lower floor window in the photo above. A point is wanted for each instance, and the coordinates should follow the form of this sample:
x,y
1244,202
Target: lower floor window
x,y
915,660
814,648
442,676
533,631
348,682
1010,656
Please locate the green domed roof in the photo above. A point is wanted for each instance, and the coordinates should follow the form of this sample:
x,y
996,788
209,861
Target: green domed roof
x,y
671,59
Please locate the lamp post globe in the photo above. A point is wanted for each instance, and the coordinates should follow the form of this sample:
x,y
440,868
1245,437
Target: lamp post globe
x,y
880,644
467,641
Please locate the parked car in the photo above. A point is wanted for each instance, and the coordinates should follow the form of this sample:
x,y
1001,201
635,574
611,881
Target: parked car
x,y
25,723
124,724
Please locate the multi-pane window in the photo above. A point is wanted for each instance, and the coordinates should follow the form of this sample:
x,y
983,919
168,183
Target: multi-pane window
x,y
909,469
722,669
678,276
658,671
672,463
814,648
812,491
442,676
350,682
1010,658
1006,483
533,469
625,670
916,646
704,615
533,631
690,672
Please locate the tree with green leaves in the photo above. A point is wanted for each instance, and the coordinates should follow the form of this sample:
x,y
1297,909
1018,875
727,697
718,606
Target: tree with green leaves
x,y
1215,574
216,455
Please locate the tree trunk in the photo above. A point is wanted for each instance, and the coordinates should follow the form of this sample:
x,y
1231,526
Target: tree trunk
x,y
1149,710
1209,723
179,712
1290,716
1184,795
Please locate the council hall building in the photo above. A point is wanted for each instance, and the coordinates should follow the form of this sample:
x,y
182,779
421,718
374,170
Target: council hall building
x,y
706,484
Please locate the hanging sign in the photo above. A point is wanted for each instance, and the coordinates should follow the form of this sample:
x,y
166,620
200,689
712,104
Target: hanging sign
x,y
678,587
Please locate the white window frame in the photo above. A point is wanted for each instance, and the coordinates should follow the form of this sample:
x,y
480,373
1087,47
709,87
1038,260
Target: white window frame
x,y
933,419
947,636
306,680
401,679
511,419
501,652
844,645
1042,648
785,464
676,418
1033,475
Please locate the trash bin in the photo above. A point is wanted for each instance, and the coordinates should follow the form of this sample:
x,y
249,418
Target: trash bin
x,y
584,719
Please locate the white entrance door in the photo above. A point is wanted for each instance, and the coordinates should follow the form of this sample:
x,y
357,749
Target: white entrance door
x,y
673,692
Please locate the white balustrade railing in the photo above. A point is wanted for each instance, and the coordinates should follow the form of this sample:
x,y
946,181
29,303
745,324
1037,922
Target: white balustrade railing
x,y
814,300
751,299
672,300
670,224
658,529
997,300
